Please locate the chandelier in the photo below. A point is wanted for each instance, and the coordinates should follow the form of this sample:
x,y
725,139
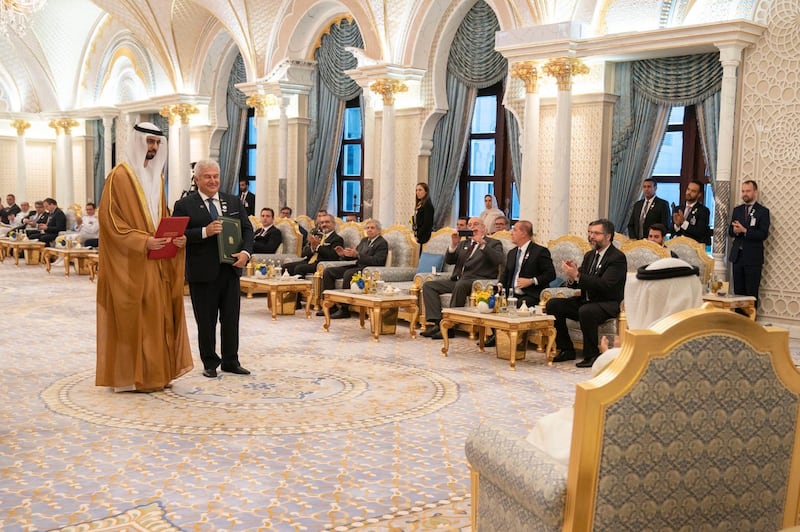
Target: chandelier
x,y
14,14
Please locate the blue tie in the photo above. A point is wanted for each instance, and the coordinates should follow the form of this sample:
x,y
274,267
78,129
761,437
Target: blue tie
x,y
212,209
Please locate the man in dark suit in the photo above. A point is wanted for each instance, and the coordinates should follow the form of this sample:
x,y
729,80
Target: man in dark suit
x,y
214,286
648,211
601,279
692,217
56,222
529,267
749,228
247,198
286,212
321,245
267,239
8,213
371,251
477,257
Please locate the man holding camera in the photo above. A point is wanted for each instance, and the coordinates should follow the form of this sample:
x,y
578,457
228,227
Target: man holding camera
x,y
322,244
475,257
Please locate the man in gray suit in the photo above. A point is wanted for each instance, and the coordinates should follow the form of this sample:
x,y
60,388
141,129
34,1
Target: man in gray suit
x,y
476,257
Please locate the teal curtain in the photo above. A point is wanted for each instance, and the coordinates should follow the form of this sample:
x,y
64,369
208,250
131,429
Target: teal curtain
x,y
331,91
98,163
232,141
472,64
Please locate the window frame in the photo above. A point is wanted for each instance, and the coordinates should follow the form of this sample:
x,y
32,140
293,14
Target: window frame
x,y
339,176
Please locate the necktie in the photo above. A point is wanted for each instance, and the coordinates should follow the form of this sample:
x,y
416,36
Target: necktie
x,y
212,209
516,272
747,213
315,256
593,267
461,263
263,231
686,211
642,216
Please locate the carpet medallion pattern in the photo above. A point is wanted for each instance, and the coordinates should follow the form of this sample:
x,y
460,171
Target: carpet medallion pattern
x,y
327,393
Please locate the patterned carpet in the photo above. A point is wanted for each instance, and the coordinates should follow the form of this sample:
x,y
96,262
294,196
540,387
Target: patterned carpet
x,y
332,431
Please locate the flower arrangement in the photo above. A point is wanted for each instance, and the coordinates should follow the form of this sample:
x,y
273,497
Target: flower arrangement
x,y
11,234
488,299
358,280
61,241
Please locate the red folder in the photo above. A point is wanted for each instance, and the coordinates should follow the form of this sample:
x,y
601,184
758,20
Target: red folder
x,y
172,227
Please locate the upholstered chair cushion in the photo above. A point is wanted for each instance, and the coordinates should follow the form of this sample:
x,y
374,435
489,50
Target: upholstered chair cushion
x,y
428,261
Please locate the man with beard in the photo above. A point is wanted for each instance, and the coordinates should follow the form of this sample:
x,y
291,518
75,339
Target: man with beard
x,y
692,218
601,279
142,342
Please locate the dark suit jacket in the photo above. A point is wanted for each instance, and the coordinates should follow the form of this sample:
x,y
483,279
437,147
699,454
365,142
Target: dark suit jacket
x,y
7,213
423,222
748,249
698,219
249,203
374,255
268,243
202,254
657,214
607,285
56,222
483,264
326,250
536,264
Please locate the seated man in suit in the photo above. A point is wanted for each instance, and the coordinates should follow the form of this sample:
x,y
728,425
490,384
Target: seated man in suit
x,y
601,279
322,244
477,257
267,239
657,235
56,222
529,268
371,251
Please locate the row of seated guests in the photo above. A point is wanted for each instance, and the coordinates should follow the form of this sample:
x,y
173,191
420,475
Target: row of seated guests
x,y
46,221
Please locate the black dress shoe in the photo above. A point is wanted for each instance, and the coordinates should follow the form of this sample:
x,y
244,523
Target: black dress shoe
x,y
210,373
586,362
238,370
565,355
340,314
438,334
430,331
491,341
320,313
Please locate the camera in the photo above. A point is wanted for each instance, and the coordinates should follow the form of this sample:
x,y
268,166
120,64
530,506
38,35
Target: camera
x,y
315,232
465,233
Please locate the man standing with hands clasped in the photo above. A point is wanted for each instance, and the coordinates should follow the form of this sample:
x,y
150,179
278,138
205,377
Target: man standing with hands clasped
x,y
749,228
214,286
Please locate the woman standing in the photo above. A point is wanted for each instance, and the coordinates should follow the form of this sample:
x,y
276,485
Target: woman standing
x,y
491,212
422,222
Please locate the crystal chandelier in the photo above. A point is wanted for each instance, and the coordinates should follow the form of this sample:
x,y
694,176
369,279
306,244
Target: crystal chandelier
x,y
14,14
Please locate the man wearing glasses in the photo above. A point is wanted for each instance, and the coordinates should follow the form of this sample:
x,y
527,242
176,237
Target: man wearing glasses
x,y
601,280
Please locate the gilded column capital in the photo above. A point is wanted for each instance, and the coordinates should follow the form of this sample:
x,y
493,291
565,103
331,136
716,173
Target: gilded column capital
x,y
169,113
183,110
260,102
563,69
388,88
20,126
526,72
63,124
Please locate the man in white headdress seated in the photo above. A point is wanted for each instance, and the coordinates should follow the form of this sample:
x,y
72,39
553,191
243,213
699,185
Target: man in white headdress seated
x,y
652,293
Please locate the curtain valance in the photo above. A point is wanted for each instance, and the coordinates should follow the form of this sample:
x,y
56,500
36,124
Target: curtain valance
x,y
678,81
473,59
333,59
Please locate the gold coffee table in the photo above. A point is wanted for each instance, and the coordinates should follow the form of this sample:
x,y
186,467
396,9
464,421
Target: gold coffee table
x,y
732,302
278,289
382,308
507,327
77,256
31,248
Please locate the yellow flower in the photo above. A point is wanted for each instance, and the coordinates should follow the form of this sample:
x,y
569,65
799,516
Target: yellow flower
x,y
482,295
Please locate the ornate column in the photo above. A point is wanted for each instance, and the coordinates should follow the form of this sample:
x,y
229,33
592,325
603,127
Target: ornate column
x,y
174,156
385,184
64,171
529,173
266,188
22,184
724,197
183,178
108,122
283,153
563,69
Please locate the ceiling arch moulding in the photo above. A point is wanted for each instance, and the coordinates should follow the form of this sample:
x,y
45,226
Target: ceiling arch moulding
x,y
154,105
192,30
302,29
